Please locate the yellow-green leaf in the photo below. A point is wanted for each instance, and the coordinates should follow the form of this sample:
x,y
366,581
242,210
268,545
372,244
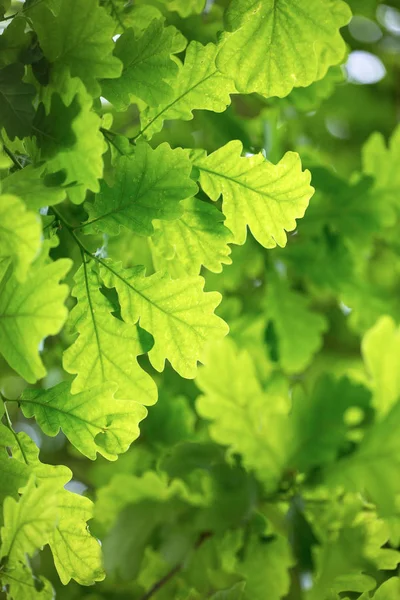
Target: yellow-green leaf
x,y
106,349
272,46
20,233
93,420
266,198
178,313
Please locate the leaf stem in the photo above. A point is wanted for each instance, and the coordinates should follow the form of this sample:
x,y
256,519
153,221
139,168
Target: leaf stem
x,y
13,157
117,15
9,423
10,427
70,228
83,249
107,133
21,12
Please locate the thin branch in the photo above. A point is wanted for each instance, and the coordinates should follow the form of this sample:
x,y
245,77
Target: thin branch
x,y
10,427
13,157
164,580
60,217
70,229
21,12
107,133
9,423
117,15
10,17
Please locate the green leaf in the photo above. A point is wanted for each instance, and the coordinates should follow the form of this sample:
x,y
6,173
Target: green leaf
x,y
198,238
25,462
123,555
147,67
257,424
23,585
340,563
318,429
80,145
14,42
77,554
170,421
380,161
251,421
298,329
266,568
29,312
13,474
372,468
389,590
29,523
352,544
185,8
4,7
198,85
178,313
35,188
349,208
93,420
107,348
324,259
53,128
381,351
144,505
79,38
125,489
16,108
234,593
148,185
275,45
5,160
265,197
20,233
310,98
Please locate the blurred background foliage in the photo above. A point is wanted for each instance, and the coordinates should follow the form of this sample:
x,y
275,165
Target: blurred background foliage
x,y
338,274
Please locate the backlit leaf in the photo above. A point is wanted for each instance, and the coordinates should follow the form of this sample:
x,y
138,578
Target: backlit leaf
x,y
269,50
380,348
19,234
93,420
80,145
197,238
198,85
148,185
178,313
106,349
35,188
147,67
29,523
79,38
266,198
29,312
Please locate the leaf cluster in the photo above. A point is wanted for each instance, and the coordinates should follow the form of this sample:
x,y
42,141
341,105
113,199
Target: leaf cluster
x,y
199,276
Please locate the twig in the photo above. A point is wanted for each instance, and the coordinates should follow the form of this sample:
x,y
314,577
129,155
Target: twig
x,y
70,229
117,15
107,133
10,427
21,12
13,157
164,580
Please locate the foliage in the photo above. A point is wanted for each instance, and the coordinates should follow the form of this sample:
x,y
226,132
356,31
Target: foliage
x,y
199,308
